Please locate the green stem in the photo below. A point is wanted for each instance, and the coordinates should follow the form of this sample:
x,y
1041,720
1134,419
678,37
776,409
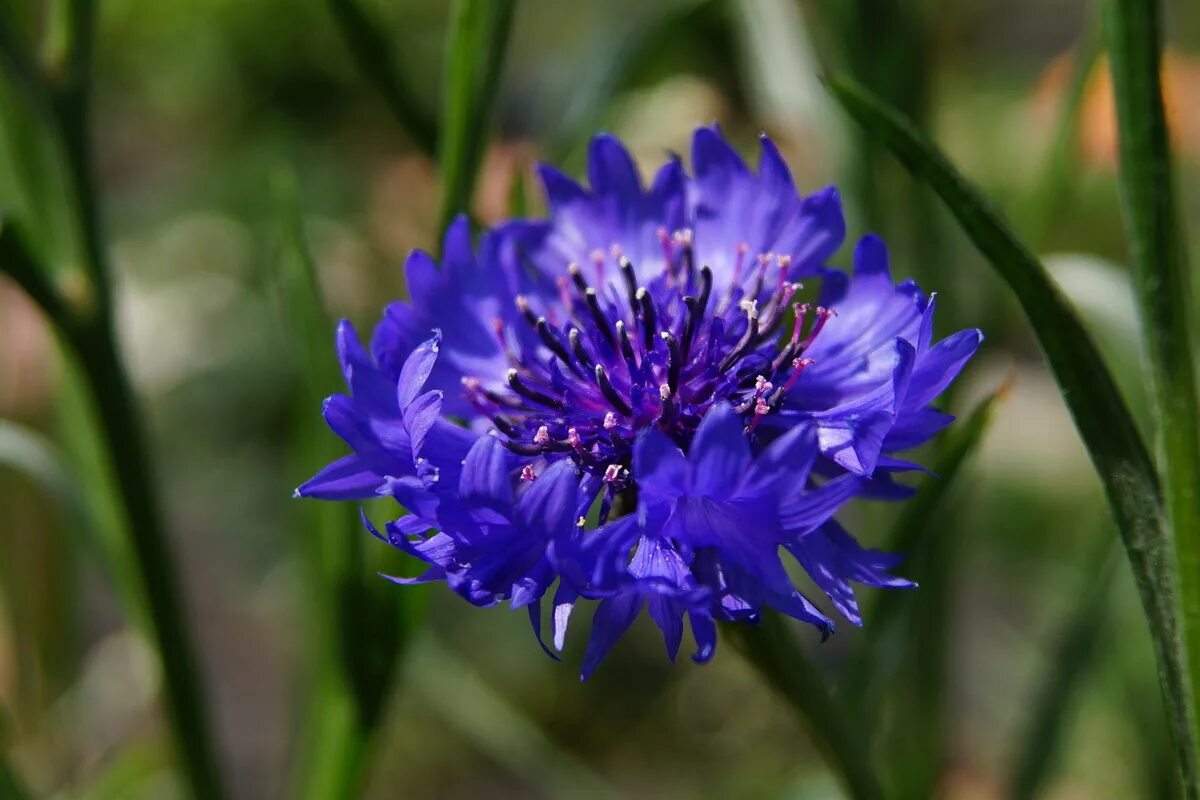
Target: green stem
x,y
121,423
773,651
1161,281
90,332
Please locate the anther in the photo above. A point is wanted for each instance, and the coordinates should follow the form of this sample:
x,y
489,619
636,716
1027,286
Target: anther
x,y
748,340
555,345
602,323
626,347
706,284
614,473
542,436
674,360
533,395
577,277
610,392
527,474
527,312
505,427
578,349
610,420
649,318
631,284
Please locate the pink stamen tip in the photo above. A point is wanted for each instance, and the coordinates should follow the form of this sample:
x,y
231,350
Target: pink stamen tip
x,y
610,421
664,392
542,436
564,292
573,438
616,251
613,473
522,303
527,474
762,385
798,367
471,384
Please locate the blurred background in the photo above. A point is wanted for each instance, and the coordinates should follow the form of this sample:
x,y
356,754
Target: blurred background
x,y
231,135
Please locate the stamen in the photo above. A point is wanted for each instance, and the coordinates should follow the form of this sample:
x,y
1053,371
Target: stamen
x,y
602,323
649,318
748,340
527,475
631,284
610,393
564,294
626,348
674,360
576,342
573,439
505,427
706,284
555,345
598,261
577,277
823,315
542,436
615,473
798,367
610,420
533,395
527,312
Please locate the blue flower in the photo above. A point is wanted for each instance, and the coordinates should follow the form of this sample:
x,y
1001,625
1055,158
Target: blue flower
x,y
644,415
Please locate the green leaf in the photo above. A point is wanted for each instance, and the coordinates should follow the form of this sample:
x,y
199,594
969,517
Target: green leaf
x,y
772,649
1162,287
1067,667
1104,422
374,60
478,39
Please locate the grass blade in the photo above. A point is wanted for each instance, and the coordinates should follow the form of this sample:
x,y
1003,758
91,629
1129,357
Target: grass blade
x,y
1161,284
771,647
1100,414
1068,664
478,39
374,60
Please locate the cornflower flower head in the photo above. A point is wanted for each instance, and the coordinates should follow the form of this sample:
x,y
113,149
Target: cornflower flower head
x,y
628,403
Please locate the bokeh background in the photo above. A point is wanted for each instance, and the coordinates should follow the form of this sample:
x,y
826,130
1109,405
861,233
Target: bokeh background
x,y
220,124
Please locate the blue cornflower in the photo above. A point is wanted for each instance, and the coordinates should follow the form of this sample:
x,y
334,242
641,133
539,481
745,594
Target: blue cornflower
x,y
644,415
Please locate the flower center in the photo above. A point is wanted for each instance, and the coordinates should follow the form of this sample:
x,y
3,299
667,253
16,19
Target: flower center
x,y
599,365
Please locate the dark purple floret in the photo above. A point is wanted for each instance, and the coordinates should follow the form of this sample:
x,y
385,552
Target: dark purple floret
x,y
627,403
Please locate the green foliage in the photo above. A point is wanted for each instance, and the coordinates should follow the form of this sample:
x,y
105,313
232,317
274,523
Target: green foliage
x,y
1104,422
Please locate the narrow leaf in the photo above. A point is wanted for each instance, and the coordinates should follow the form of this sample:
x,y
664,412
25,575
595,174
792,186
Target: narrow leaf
x,y
772,649
478,39
1104,422
1162,287
374,60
